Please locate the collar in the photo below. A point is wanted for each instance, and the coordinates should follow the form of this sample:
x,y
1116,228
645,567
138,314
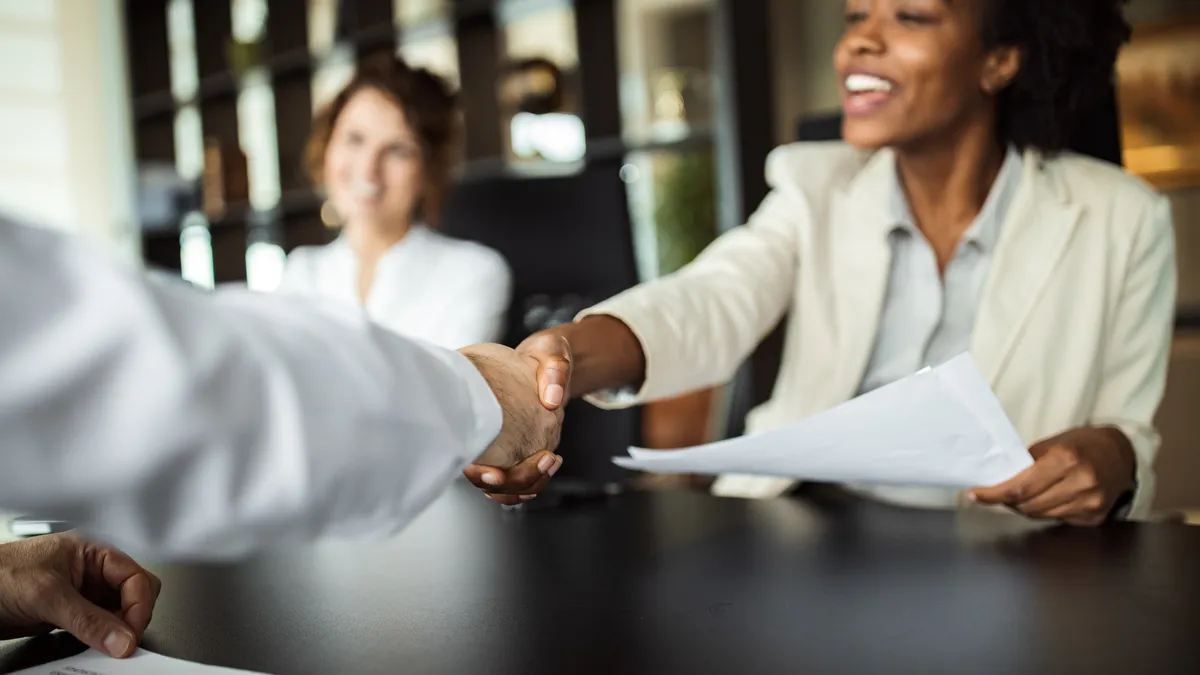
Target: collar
x,y
985,230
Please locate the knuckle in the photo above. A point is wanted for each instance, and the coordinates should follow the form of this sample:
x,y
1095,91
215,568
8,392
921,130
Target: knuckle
x,y
1087,475
1069,458
83,622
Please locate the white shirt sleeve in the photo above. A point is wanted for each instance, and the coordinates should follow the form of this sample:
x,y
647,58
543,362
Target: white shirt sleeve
x,y
178,423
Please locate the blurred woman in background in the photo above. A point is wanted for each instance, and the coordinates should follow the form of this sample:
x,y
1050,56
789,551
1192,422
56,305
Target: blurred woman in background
x,y
951,219
382,153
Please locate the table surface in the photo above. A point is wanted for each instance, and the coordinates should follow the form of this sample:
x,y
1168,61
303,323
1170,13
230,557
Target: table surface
x,y
686,583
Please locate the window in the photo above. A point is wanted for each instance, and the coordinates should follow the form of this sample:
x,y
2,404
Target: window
x,y
256,132
665,51
538,92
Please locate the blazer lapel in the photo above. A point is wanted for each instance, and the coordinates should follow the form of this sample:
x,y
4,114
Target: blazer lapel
x,y
861,262
1032,240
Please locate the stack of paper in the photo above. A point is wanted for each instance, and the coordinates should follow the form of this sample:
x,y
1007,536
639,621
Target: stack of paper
x,y
939,427
141,663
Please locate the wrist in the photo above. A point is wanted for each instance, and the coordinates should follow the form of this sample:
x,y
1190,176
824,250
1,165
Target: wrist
x,y
605,354
1127,458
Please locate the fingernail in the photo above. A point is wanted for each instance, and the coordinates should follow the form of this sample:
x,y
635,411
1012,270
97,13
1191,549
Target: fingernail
x,y
554,394
118,644
492,479
558,460
972,498
547,463
526,498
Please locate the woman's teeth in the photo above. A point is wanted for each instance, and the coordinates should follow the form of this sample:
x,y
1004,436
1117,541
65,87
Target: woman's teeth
x,y
364,190
860,83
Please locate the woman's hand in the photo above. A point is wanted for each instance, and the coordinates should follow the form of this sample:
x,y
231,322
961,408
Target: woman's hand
x,y
1076,477
95,592
553,355
518,484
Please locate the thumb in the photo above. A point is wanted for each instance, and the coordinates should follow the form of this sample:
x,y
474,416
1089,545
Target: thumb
x,y
554,369
93,626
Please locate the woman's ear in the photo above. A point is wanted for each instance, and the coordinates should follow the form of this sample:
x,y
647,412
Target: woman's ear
x,y
1001,68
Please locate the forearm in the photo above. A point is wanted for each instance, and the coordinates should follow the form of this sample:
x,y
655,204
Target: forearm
x,y
605,354
189,424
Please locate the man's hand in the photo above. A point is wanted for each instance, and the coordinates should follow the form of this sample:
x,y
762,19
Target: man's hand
x,y
528,426
94,592
1076,477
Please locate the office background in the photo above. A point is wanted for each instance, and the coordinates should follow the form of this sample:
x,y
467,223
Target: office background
x,y
173,130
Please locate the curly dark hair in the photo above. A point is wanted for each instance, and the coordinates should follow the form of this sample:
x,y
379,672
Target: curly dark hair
x,y
430,108
1070,51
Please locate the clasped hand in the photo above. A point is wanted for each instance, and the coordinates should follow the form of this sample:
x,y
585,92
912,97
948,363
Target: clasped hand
x,y
95,592
531,384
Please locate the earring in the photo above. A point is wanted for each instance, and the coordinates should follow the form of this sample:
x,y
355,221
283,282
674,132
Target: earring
x,y
329,215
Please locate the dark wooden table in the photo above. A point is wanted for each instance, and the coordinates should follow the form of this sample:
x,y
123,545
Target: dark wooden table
x,y
684,583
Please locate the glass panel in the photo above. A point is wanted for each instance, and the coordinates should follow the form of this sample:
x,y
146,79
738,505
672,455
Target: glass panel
x,y
322,25
249,20
411,12
665,54
257,133
437,54
672,203
264,266
537,91
540,28
195,251
189,143
331,75
181,37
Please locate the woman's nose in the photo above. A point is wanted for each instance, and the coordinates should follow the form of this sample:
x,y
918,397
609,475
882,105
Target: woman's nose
x,y
864,37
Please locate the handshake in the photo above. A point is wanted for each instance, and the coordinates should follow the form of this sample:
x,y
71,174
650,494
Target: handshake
x,y
530,383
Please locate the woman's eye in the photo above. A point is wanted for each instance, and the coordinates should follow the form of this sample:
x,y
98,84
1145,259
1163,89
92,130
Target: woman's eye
x,y
916,19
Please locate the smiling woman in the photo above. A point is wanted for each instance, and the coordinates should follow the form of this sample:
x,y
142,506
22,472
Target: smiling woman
x,y
382,153
950,220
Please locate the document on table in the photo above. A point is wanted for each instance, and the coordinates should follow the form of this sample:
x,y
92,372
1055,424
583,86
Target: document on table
x,y
939,427
142,662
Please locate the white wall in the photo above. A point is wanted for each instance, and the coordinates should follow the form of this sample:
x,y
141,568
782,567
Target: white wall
x,y
66,157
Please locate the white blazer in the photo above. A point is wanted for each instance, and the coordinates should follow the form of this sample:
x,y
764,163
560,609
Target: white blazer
x,y
428,286
1074,327
178,423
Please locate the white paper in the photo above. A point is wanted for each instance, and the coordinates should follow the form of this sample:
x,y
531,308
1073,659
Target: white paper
x,y
142,662
940,427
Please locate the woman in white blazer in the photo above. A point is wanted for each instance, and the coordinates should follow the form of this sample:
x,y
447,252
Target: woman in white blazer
x,y
950,220
381,151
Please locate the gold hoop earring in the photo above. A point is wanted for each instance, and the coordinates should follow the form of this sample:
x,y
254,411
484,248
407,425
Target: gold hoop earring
x,y
329,215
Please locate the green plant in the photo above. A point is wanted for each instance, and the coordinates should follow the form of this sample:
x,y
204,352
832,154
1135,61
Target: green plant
x,y
685,217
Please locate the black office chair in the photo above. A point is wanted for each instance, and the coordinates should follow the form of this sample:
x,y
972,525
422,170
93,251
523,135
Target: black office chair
x,y
569,243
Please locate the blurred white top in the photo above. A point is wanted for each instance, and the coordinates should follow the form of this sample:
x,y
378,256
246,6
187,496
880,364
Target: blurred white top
x,y
183,424
428,286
